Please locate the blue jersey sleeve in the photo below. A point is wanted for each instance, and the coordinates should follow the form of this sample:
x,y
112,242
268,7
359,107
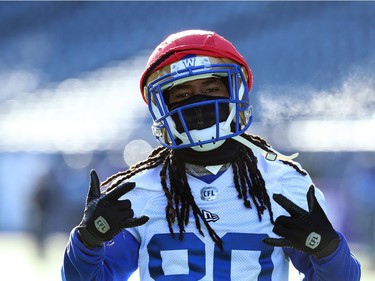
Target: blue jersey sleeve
x,y
116,260
340,265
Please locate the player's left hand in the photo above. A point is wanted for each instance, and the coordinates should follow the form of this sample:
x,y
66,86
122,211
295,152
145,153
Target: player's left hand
x,y
310,232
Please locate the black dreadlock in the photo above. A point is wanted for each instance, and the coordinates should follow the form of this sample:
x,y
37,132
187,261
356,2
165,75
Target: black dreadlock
x,y
247,179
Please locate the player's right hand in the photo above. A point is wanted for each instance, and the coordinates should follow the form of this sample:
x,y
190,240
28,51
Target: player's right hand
x,y
105,216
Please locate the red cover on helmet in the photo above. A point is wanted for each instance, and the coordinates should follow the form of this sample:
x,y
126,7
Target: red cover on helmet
x,y
192,42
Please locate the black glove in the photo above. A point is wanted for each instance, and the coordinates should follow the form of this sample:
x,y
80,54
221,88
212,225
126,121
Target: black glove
x,y
105,216
309,232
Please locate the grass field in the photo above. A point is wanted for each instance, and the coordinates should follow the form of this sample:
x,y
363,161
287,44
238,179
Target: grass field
x,y
19,259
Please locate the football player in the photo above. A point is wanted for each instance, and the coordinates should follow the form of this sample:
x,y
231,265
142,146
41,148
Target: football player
x,y
212,202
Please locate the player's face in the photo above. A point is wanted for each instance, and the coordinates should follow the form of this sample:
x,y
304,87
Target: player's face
x,y
213,87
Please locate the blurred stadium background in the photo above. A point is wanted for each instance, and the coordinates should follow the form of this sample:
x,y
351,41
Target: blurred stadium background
x,y
69,102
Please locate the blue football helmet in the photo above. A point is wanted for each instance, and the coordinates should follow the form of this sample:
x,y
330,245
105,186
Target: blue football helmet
x,y
176,127
201,123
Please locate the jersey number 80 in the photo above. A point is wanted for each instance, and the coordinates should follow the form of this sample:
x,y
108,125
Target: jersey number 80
x,y
196,259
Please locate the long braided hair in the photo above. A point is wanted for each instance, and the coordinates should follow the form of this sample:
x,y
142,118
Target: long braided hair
x,y
248,181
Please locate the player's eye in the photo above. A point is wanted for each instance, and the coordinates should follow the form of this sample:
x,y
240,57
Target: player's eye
x,y
177,96
182,95
211,90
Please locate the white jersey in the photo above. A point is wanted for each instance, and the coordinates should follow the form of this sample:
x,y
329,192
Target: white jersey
x,y
245,256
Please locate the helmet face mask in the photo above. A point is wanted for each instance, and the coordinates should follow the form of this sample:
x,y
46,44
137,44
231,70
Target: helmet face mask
x,y
228,116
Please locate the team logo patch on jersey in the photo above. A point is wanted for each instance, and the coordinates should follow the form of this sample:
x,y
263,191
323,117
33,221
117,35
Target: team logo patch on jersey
x,y
210,216
208,193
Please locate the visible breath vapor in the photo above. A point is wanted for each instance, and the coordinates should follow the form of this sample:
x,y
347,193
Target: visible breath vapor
x,y
354,99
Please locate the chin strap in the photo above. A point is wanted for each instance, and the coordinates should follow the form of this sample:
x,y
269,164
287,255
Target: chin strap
x,y
269,155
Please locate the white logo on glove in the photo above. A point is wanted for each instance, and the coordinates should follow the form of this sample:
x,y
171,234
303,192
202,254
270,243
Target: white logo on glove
x,y
101,224
313,240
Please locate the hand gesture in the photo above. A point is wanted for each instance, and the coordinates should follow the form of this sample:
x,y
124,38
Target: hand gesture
x,y
105,216
309,232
